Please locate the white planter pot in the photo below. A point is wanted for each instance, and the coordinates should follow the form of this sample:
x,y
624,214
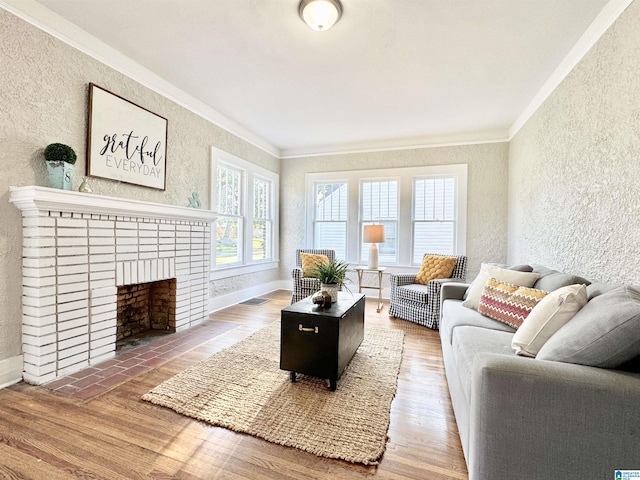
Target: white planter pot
x,y
331,289
60,174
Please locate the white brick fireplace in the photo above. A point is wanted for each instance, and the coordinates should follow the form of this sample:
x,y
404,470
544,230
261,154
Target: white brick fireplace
x,y
78,249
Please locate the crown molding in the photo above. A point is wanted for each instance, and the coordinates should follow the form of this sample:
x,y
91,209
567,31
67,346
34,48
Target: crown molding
x,y
65,31
609,14
414,143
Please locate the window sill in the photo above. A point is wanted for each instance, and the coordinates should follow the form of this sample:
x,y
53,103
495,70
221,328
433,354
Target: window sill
x,y
235,271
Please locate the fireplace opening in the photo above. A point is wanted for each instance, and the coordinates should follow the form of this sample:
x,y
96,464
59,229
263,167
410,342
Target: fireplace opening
x,y
145,311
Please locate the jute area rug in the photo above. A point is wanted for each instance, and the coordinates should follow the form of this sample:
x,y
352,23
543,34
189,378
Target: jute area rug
x,y
243,389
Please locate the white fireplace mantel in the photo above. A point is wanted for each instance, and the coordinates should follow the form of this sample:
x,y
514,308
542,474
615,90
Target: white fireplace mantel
x,y
32,199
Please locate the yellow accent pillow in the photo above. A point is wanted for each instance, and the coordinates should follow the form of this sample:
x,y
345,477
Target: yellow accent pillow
x,y
435,266
310,261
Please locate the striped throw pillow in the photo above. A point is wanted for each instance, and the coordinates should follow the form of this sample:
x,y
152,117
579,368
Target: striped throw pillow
x,y
508,303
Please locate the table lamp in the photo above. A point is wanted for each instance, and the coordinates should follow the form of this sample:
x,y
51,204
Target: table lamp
x,y
373,234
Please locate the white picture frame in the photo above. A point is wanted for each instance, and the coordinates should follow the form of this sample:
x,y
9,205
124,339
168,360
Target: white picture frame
x,y
125,142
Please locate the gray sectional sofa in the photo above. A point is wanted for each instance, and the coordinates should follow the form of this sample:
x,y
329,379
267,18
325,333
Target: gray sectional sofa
x,y
528,418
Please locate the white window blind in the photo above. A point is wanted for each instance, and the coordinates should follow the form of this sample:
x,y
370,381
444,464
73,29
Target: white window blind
x,y
379,204
330,217
434,216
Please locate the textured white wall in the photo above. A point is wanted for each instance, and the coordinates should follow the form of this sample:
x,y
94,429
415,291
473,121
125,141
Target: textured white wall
x,y
574,169
43,99
486,194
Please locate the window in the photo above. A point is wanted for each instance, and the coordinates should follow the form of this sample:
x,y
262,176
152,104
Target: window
x,y
423,210
246,200
434,216
229,226
379,204
330,217
262,219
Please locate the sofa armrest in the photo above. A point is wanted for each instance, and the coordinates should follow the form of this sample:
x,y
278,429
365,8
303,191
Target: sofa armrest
x,y
400,279
452,290
296,273
536,419
300,281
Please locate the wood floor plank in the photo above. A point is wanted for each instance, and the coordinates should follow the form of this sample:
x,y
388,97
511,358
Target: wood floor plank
x,y
17,465
85,456
46,435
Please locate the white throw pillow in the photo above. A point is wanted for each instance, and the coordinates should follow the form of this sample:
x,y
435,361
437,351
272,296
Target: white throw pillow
x,y
487,271
546,318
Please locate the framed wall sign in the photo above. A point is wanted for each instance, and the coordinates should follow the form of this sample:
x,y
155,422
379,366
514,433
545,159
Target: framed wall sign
x,y
125,142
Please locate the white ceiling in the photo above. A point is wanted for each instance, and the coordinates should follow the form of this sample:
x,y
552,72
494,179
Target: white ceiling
x,y
389,73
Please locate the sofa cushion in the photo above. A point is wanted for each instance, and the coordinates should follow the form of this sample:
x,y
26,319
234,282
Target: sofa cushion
x,y
598,288
469,342
520,268
508,303
542,270
310,261
557,280
551,313
605,333
413,292
525,279
455,315
435,266
551,280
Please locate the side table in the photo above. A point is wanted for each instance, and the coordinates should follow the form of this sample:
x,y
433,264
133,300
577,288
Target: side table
x,y
360,271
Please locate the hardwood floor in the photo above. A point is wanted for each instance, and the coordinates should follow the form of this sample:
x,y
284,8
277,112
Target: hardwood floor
x,y
48,435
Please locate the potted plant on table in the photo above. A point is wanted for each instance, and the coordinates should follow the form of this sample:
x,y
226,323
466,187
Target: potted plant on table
x,y
60,160
332,276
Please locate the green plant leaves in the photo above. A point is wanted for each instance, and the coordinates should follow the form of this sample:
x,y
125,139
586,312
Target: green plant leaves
x,y
59,152
332,272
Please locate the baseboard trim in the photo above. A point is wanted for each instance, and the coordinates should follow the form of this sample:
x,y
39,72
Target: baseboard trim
x,y
10,371
224,301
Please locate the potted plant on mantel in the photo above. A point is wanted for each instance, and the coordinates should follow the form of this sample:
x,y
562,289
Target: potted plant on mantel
x,y
332,277
60,160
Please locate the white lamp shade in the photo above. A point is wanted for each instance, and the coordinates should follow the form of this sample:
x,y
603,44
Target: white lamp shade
x,y
373,234
320,15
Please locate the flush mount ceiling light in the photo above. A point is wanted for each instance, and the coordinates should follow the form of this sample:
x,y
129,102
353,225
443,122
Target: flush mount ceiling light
x,y
320,15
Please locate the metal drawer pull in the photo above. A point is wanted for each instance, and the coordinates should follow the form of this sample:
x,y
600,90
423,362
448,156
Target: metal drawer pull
x,y
305,329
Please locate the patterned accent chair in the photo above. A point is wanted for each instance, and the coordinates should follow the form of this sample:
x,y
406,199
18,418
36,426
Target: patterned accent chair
x,y
305,286
421,303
